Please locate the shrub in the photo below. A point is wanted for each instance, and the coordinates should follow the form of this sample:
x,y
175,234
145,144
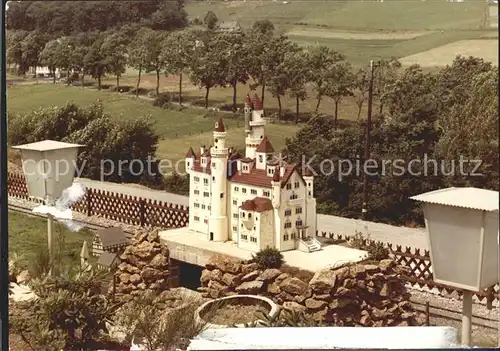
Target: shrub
x,y
162,99
269,257
378,251
69,313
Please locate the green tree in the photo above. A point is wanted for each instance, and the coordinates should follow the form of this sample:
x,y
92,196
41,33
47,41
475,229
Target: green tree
x,y
31,48
321,60
264,26
138,53
177,53
95,63
338,82
360,87
210,20
236,55
297,66
278,84
267,52
385,74
208,67
50,57
114,52
14,51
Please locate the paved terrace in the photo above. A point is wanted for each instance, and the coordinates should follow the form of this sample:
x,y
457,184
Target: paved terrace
x,y
414,237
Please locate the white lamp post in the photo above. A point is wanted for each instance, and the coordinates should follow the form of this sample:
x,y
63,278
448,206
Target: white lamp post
x,y
49,168
463,237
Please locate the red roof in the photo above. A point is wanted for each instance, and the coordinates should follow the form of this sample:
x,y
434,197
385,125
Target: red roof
x,y
190,153
198,168
259,177
257,204
247,160
276,176
257,104
248,102
265,146
219,126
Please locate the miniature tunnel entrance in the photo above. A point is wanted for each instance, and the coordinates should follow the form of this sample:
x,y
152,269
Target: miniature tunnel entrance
x,y
189,275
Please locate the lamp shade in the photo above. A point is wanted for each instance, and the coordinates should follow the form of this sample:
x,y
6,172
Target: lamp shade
x,y
462,229
49,167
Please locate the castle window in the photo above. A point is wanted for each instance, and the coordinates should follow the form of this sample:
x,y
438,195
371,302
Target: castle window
x,y
235,202
261,159
266,193
196,205
308,184
208,207
288,212
196,192
205,181
202,207
285,237
298,210
256,218
253,239
297,184
293,235
309,193
221,195
235,215
253,192
236,189
235,229
293,196
249,216
244,190
288,224
196,179
216,140
298,223
196,218
242,214
206,194
213,165
254,228
205,221
288,186
244,237
213,179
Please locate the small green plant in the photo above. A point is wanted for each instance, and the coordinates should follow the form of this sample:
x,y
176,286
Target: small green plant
x,y
269,257
378,251
358,240
284,318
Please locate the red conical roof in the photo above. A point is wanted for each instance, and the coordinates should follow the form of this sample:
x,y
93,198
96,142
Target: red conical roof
x,y
257,104
190,153
265,146
219,126
248,101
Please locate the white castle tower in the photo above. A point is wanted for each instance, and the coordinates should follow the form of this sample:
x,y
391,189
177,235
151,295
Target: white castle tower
x,y
218,224
254,128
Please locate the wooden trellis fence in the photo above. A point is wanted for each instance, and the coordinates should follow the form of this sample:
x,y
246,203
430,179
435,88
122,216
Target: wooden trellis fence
x,y
420,268
118,207
139,211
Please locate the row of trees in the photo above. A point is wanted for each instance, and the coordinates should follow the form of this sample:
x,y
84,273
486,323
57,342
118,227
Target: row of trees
x,y
211,59
434,118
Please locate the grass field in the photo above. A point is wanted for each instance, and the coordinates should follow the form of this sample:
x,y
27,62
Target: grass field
x,y
28,235
178,130
362,30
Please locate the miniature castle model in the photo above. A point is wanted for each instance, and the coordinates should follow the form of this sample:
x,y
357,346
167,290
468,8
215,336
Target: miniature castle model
x,y
254,201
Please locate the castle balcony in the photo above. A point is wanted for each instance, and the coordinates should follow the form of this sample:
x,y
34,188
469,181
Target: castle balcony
x,y
257,123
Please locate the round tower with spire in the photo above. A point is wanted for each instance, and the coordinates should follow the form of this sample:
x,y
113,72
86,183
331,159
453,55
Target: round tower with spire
x,y
218,223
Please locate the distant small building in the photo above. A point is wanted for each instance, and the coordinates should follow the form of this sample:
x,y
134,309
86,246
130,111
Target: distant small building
x,y
229,27
108,261
110,239
44,71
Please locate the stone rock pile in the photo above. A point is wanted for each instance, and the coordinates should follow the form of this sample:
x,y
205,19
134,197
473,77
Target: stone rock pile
x,y
363,294
144,266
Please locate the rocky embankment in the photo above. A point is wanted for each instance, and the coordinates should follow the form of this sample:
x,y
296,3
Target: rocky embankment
x,y
365,294
144,266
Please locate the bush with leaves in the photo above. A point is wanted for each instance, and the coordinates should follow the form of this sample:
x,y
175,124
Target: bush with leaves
x,y
69,313
105,138
284,318
269,257
143,320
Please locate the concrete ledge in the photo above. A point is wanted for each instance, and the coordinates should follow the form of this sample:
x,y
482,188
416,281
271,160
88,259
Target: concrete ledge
x,y
325,338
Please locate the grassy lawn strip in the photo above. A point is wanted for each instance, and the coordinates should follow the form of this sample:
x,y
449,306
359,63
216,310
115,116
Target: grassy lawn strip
x,y
28,235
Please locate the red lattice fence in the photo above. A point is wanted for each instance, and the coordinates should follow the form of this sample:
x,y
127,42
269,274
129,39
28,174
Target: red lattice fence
x,y
420,268
121,208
